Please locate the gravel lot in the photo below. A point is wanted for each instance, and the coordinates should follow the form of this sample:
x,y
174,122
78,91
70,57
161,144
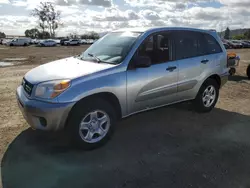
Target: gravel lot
x,y
167,147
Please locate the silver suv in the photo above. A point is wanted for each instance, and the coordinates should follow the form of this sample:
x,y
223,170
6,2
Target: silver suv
x,y
123,73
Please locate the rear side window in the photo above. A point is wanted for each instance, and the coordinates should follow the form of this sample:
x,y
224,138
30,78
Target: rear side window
x,y
211,45
187,44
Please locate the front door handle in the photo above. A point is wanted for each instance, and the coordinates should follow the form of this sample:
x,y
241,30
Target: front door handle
x,y
170,69
204,61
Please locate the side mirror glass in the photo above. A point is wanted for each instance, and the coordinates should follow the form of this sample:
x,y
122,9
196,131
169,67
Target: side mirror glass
x,y
142,61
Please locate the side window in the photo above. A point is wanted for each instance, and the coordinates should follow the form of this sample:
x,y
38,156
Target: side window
x,y
188,44
212,46
157,47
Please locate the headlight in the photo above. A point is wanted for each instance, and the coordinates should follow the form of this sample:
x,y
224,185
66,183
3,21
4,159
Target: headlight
x,y
51,89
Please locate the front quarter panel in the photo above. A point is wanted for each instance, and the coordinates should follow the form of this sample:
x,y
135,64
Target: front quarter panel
x,y
111,81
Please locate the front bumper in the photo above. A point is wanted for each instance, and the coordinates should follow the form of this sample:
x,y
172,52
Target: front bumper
x,y
43,115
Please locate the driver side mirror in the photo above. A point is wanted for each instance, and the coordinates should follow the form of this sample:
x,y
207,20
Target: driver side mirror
x,y
141,61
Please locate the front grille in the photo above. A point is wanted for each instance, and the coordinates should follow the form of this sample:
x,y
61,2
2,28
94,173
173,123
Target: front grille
x,y
27,86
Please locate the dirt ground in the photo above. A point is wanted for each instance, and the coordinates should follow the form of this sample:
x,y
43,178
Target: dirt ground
x,y
167,147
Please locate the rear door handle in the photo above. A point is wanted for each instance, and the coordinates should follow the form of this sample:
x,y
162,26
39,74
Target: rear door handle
x,y
170,69
204,61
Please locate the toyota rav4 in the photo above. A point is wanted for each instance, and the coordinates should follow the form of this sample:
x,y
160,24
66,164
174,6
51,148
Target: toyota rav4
x,y
125,72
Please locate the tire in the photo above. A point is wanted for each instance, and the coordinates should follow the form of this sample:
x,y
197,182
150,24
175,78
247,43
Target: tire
x,y
232,71
248,71
25,44
82,112
11,44
199,105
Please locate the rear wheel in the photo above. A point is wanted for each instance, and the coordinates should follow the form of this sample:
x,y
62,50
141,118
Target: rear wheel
x,y
25,44
248,71
207,96
91,123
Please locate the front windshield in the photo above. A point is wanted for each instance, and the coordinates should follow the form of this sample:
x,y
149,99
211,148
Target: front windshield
x,y
112,48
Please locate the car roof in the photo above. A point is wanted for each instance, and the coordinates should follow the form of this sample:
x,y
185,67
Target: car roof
x,y
155,29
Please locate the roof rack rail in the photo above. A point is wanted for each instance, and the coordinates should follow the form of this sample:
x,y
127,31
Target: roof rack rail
x,y
214,30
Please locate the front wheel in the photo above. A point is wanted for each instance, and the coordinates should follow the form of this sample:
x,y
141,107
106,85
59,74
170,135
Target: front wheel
x,y
91,123
207,96
248,71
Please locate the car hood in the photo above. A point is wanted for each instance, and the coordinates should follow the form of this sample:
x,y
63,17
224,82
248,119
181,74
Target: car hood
x,y
68,68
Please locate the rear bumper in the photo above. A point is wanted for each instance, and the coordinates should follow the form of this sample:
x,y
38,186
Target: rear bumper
x,y
43,115
224,78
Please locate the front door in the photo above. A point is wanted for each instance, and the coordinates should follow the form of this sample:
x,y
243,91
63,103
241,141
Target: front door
x,y
155,85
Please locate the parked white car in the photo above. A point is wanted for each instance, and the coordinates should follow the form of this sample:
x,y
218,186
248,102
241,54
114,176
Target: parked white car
x,y
19,42
35,41
72,42
47,43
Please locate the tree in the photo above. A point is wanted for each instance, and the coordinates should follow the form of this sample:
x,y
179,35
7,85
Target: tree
x,y
44,35
227,33
247,34
85,36
73,35
32,33
94,35
238,37
90,35
48,17
2,35
40,13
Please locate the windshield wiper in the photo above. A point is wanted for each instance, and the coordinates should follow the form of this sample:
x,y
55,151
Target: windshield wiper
x,y
96,58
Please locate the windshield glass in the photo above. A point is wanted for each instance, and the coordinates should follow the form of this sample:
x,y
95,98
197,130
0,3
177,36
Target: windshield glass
x,y
112,48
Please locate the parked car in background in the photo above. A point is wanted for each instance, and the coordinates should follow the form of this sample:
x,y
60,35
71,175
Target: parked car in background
x,y
19,42
234,45
47,43
127,72
90,41
35,41
63,40
4,41
239,43
72,42
247,41
245,44
57,41
84,41
226,45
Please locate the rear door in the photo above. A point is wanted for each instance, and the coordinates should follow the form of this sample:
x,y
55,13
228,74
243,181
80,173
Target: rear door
x,y
155,85
189,57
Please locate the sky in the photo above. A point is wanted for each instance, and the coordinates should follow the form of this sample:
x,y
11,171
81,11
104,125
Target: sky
x,y
81,16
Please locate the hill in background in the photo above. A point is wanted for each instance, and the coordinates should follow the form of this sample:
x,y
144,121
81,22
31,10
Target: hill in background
x,y
234,32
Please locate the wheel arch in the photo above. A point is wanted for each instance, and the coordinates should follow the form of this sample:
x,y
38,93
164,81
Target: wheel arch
x,y
215,77
108,96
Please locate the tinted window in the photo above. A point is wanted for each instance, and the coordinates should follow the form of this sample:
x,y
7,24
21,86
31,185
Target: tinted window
x,y
188,44
211,44
157,47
